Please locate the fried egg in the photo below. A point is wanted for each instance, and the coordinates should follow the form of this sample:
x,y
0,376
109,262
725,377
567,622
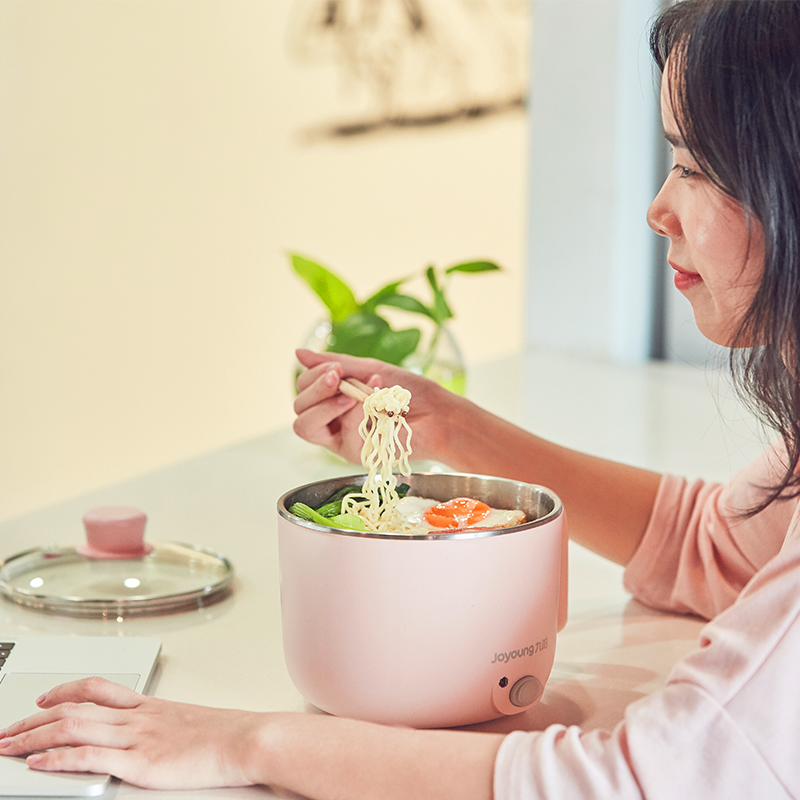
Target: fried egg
x,y
459,514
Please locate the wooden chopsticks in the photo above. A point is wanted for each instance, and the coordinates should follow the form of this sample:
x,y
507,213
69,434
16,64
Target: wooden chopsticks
x,y
353,387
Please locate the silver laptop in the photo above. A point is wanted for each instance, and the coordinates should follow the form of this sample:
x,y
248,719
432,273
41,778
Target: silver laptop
x,y
32,665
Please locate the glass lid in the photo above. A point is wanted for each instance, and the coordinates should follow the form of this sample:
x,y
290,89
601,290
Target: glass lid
x,y
115,572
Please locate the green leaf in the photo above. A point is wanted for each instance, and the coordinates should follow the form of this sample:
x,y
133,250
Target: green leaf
x,y
337,296
441,310
473,266
371,336
358,334
407,303
371,303
430,274
395,346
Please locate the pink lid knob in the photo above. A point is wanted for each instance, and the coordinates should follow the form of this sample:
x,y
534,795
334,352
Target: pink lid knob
x,y
114,532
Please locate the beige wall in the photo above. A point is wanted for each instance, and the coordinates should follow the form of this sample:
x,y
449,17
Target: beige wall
x,y
152,178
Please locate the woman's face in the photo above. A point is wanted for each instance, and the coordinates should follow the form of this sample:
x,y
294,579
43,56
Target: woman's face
x,y
717,254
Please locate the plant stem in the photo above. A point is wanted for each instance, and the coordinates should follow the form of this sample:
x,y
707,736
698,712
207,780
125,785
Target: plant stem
x,y
429,358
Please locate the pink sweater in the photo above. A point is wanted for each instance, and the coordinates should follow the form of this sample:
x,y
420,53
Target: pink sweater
x,y
727,725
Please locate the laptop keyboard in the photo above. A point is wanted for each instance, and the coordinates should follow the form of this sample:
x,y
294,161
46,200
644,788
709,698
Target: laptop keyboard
x,y
5,652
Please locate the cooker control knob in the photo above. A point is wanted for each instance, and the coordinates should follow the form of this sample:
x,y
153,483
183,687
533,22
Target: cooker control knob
x,y
525,691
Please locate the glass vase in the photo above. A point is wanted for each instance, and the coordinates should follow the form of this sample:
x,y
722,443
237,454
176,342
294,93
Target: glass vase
x,y
437,357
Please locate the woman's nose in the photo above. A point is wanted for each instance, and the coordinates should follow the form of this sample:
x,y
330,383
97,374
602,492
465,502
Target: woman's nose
x,y
661,217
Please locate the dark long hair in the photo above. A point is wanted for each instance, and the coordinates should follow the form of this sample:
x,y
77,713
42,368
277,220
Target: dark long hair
x,y
734,69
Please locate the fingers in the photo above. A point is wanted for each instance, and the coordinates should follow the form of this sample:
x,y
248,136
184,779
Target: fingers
x,y
310,358
75,713
320,424
315,384
375,381
327,417
319,405
85,711
69,731
91,690
80,759
322,382
157,744
67,725
350,366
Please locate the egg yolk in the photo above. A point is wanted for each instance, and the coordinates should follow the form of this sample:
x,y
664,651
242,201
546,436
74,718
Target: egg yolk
x,y
458,513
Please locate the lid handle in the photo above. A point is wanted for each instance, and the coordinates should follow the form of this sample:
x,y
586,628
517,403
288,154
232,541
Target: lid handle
x,y
114,532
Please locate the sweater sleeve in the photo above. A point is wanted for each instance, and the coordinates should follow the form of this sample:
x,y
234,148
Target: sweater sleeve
x,y
698,550
725,726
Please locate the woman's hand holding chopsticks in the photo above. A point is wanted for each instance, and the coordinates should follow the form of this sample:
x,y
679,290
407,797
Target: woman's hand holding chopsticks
x,y
332,388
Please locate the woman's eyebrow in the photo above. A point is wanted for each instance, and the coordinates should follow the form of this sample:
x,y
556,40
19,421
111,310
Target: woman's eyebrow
x,y
674,139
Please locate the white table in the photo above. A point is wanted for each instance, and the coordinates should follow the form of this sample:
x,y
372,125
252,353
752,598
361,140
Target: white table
x,y
613,650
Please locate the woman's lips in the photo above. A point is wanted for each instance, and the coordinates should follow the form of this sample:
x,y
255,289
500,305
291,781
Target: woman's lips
x,y
685,279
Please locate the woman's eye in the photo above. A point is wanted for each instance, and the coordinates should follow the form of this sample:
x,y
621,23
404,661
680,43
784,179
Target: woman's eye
x,y
684,172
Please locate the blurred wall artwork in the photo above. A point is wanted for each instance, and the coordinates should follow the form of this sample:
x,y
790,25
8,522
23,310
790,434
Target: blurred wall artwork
x,y
409,64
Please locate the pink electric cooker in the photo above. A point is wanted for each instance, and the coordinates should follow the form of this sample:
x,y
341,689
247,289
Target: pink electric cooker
x,y
424,630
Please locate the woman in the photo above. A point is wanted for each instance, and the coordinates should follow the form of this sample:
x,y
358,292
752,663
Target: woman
x,y
727,723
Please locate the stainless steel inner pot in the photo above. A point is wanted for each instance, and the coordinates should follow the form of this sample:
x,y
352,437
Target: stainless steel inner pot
x,y
539,504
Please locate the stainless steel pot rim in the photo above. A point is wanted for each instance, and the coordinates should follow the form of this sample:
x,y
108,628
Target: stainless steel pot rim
x,y
337,482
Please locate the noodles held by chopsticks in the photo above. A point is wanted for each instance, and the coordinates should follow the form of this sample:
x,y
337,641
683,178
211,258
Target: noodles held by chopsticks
x,y
384,420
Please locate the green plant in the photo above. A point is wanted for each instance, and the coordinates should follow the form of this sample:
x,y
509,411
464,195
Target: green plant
x,y
357,327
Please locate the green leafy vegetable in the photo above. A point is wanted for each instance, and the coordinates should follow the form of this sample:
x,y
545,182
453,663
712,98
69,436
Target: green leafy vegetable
x,y
333,505
348,521
330,512
352,521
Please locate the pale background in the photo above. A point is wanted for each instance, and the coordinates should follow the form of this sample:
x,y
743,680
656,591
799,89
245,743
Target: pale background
x,y
158,158
152,178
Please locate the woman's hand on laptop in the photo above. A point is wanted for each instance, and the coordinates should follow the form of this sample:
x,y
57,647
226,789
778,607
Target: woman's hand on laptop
x,y
102,727
98,726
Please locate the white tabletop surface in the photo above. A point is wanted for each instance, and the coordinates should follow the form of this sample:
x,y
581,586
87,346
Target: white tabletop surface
x,y
613,650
